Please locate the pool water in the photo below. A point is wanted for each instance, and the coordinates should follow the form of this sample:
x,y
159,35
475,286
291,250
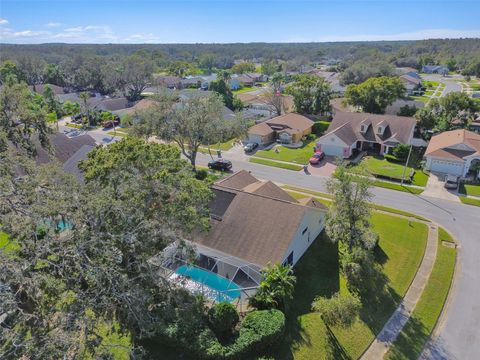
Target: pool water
x,y
213,281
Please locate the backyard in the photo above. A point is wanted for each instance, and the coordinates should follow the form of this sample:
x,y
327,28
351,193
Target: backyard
x,y
299,156
400,251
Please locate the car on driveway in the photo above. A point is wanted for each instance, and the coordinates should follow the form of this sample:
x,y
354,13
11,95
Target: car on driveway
x,y
317,157
110,124
451,182
220,164
250,147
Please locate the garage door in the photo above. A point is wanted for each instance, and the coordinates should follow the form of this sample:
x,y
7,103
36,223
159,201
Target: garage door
x,y
447,167
332,150
255,139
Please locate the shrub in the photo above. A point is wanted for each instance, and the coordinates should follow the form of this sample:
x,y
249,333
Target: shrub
x,y
400,151
407,110
339,310
201,174
391,158
222,319
320,127
276,288
311,137
260,330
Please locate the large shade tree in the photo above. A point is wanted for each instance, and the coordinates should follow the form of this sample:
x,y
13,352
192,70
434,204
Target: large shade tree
x,y
375,94
311,94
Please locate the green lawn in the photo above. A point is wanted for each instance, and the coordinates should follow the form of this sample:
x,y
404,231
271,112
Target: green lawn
x,y
275,164
75,126
400,252
381,166
469,201
322,197
244,89
430,84
470,189
398,187
299,156
418,328
6,244
224,146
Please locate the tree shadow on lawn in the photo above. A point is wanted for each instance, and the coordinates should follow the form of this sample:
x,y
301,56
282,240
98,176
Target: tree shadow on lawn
x,y
410,342
318,274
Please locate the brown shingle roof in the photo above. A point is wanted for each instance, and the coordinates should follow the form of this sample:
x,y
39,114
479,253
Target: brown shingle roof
x,y
346,125
293,121
261,129
439,144
255,223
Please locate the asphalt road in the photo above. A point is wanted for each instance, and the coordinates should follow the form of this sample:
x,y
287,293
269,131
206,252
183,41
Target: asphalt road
x,y
451,84
459,336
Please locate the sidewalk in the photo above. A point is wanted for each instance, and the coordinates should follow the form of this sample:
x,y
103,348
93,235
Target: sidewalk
x,y
379,347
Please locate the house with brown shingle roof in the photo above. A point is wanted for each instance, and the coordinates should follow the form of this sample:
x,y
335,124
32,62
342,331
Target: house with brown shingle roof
x,y
365,132
454,152
287,128
257,223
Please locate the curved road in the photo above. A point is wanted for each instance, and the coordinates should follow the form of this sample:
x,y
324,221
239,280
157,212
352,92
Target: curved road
x,y
459,336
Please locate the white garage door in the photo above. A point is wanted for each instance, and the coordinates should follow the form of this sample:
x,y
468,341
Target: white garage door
x,y
447,167
254,139
332,150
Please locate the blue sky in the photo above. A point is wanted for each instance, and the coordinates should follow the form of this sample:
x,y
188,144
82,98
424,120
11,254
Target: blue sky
x,y
149,21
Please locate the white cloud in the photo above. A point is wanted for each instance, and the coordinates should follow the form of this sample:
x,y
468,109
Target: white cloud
x,y
142,38
53,24
3,21
413,35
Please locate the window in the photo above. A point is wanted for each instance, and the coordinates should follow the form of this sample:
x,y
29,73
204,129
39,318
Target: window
x,y
304,230
380,130
363,128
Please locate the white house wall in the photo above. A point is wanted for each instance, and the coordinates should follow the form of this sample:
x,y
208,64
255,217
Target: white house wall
x,y
332,145
314,221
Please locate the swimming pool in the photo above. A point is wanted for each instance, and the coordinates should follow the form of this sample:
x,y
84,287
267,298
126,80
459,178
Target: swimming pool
x,y
222,289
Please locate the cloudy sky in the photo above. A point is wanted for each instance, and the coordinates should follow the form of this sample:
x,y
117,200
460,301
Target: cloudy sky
x,y
221,21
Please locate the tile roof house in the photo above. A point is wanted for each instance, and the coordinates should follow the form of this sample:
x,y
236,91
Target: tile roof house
x,y
363,131
258,223
288,128
453,152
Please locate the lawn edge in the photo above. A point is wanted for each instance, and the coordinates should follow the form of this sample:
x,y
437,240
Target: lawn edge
x,y
452,290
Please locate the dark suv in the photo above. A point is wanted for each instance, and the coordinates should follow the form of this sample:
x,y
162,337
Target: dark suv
x,y
220,164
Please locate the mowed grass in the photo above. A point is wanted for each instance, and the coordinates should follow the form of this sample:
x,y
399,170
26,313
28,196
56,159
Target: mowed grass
x,y
325,199
244,89
418,328
381,166
469,201
299,156
398,187
470,189
401,247
275,164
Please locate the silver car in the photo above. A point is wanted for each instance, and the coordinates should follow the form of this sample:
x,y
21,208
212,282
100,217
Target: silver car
x,y
451,182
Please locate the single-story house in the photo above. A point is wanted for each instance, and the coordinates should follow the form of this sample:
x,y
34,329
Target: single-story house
x,y
453,152
255,223
435,69
245,80
287,128
171,82
411,83
40,89
349,132
257,77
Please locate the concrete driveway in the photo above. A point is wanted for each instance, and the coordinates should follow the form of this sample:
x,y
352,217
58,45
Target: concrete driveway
x,y
435,188
324,169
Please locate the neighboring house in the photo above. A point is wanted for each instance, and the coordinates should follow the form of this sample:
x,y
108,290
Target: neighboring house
x,y
453,152
365,132
257,101
257,77
333,78
288,129
40,89
245,80
235,84
256,223
412,83
110,104
171,82
201,82
435,69
67,151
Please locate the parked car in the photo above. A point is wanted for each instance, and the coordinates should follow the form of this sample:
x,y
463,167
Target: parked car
x,y
317,157
451,182
220,164
110,124
250,147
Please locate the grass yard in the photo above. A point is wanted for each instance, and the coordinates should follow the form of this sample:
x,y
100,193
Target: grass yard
x,y
244,89
275,164
418,328
430,84
469,201
299,156
398,187
75,126
381,166
224,146
400,252
469,189
6,244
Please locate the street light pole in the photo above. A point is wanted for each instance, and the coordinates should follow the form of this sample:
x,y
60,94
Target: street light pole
x,y
406,163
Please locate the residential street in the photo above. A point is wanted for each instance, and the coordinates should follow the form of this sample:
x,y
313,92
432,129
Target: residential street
x,y
460,334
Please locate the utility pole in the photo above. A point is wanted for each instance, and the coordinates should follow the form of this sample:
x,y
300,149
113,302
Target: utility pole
x,y
406,164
